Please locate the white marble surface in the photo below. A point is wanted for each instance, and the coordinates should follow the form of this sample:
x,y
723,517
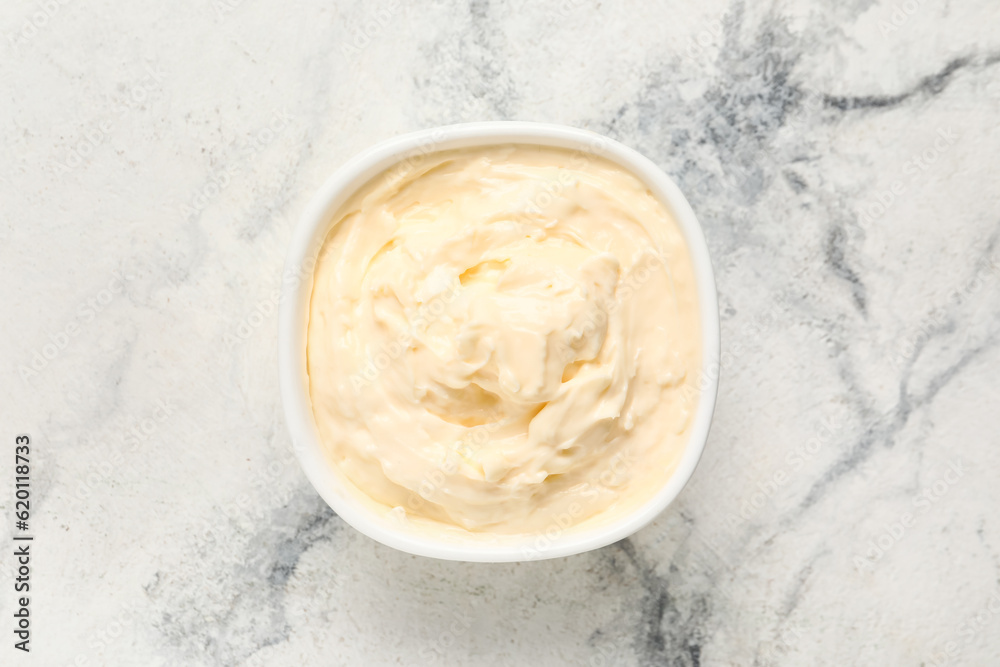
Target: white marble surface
x,y
155,156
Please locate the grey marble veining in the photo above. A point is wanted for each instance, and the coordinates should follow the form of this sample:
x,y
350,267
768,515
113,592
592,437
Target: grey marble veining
x,y
843,161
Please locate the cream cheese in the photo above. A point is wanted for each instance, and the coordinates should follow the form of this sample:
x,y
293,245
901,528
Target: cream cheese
x,y
498,338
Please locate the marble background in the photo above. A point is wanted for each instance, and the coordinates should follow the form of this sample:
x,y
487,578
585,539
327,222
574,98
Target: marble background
x,y
843,159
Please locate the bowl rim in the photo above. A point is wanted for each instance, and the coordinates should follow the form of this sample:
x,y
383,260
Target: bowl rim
x,y
296,292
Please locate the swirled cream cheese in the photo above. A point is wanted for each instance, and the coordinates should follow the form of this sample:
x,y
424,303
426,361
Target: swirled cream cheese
x,y
498,338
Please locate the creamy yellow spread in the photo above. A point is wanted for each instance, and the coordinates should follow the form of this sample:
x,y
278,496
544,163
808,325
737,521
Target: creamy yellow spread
x,y
498,338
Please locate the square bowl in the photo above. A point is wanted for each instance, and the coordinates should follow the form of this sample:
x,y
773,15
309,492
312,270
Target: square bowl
x,y
297,283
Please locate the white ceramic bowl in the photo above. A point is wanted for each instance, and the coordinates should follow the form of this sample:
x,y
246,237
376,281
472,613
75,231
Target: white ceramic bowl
x,y
297,289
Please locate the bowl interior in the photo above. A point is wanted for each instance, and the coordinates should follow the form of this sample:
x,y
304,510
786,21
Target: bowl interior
x,y
293,321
